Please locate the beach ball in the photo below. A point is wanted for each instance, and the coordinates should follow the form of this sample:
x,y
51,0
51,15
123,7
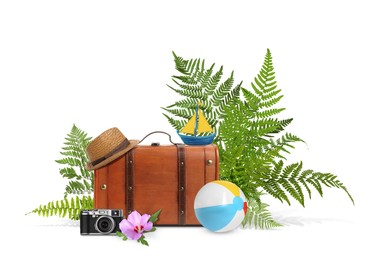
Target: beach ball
x,y
220,206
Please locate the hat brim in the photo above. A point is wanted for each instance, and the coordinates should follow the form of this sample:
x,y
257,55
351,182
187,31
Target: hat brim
x,y
132,144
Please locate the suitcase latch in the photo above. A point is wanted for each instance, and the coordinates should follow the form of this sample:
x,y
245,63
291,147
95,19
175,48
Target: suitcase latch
x,y
155,144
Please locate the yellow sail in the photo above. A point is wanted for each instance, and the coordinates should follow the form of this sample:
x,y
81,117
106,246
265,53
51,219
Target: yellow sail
x,y
203,125
189,128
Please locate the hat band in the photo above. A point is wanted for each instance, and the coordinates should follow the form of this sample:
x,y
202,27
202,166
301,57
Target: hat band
x,y
119,148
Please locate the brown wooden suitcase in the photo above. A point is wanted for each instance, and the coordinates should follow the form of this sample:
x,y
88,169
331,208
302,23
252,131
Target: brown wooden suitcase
x,y
150,177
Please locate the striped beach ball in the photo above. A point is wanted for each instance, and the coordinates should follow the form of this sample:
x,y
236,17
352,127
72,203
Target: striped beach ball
x,y
220,206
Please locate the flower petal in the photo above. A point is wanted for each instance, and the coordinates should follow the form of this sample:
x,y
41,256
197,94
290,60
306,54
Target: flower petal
x,y
125,225
144,219
122,225
134,218
148,226
131,234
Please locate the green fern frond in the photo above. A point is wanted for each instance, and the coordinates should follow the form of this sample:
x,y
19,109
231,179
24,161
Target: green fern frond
x,y
264,86
176,124
69,173
74,150
270,102
213,81
269,112
258,216
252,100
76,187
275,189
271,93
192,70
65,207
292,178
185,103
229,98
189,87
70,161
185,67
220,93
282,145
71,151
283,124
263,127
205,77
182,113
193,93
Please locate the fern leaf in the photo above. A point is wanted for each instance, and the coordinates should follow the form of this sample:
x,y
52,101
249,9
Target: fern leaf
x,y
63,207
316,185
189,93
70,173
76,187
74,150
189,87
213,81
205,76
283,124
278,167
182,113
258,216
271,93
289,186
222,91
269,112
176,124
232,95
269,102
252,100
279,191
182,65
70,151
292,178
288,170
70,161
185,103
264,85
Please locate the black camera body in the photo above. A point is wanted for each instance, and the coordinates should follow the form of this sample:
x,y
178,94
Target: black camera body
x,y
100,221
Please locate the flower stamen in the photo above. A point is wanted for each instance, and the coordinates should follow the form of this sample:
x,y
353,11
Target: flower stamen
x,y
139,228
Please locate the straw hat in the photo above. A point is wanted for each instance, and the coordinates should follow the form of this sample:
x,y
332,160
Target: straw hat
x,y
107,147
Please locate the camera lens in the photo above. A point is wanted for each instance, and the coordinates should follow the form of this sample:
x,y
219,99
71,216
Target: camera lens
x,y
105,225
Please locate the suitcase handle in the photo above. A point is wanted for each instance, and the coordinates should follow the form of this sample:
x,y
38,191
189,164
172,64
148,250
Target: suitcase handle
x,y
158,132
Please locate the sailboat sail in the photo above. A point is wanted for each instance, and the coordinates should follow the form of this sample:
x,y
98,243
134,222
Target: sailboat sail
x,y
203,125
197,124
189,128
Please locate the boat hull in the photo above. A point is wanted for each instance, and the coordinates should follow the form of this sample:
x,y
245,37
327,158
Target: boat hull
x,y
197,140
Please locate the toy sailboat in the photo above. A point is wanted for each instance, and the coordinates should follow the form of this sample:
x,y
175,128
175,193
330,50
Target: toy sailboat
x,y
196,125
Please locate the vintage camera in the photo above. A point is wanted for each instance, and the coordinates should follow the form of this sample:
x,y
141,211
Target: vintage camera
x,y
100,221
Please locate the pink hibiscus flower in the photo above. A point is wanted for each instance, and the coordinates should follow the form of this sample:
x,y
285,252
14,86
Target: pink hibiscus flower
x,y
135,224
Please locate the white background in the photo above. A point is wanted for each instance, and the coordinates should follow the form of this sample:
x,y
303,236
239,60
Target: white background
x,y
100,64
